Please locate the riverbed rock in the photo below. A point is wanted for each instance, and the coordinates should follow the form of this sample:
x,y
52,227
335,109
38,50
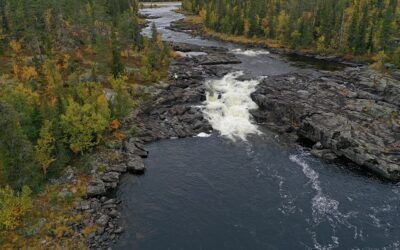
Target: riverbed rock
x,y
96,188
103,220
175,111
120,168
132,148
136,165
353,113
111,177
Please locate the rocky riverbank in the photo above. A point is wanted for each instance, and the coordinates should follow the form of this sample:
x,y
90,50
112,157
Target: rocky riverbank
x,y
352,114
172,111
192,26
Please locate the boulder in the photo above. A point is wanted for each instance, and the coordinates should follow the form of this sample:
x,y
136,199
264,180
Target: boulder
x,y
102,220
136,165
132,148
120,168
111,177
96,188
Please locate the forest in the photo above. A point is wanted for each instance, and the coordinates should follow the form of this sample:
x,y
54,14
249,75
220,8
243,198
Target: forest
x,y
366,29
70,72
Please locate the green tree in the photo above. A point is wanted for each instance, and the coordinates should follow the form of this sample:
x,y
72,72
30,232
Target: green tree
x,y
121,103
17,162
85,124
45,146
117,67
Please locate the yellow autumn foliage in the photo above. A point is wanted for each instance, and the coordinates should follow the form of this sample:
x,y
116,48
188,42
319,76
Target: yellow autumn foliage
x,y
13,207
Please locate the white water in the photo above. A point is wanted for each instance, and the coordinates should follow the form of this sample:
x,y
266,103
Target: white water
x,y
203,135
250,52
227,106
325,208
190,54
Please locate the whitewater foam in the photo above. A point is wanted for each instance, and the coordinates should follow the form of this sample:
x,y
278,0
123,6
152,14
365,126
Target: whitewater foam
x,y
250,52
325,208
203,135
227,106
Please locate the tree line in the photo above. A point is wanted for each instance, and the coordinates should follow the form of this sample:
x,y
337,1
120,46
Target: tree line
x,y
58,59
350,27
69,75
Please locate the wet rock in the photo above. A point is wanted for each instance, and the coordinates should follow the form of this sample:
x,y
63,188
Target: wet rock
x,y
136,165
110,201
111,177
325,154
103,220
218,59
119,230
114,213
132,148
120,168
323,108
318,146
108,206
96,188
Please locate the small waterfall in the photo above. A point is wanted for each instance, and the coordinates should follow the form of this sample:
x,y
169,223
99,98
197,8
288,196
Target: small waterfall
x,y
227,106
250,52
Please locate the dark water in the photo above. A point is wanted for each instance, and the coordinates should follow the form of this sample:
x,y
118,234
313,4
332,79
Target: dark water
x,y
211,193
215,193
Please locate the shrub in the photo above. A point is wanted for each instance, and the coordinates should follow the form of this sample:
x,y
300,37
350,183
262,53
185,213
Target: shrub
x,y
122,103
84,124
13,207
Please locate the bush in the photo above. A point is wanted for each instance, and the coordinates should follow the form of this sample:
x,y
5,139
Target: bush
x,y
13,207
84,124
121,103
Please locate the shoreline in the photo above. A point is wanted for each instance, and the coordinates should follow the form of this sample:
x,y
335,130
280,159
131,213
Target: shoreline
x,y
192,25
362,95
172,112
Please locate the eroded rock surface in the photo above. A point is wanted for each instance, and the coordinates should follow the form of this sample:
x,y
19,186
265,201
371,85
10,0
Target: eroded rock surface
x,y
175,111
354,113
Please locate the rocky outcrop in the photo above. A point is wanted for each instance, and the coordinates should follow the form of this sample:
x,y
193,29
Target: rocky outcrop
x,y
353,114
100,210
175,111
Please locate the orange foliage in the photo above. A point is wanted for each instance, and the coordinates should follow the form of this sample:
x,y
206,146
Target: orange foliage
x,y
78,55
120,136
115,124
29,72
15,46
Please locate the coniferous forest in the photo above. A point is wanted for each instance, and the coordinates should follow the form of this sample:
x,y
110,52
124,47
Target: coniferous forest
x,y
70,72
366,28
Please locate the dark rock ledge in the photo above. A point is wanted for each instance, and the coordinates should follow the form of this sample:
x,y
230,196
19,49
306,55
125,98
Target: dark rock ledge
x,y
352,114
172,111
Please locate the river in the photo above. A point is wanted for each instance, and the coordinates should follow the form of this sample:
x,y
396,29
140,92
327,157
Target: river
x,y
240,187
